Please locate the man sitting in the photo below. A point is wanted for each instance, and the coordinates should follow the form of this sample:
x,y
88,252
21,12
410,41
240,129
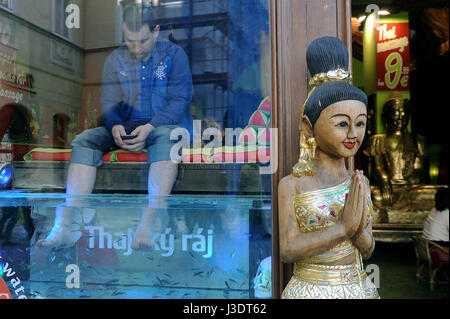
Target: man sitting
x,y
146,92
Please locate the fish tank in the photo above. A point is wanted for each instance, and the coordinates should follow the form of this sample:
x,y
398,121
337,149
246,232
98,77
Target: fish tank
x,y
212,236
201,247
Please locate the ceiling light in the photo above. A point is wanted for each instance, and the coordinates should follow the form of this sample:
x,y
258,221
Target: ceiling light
x,y
361,19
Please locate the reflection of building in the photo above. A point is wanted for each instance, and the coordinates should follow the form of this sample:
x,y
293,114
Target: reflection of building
x,y
41,64
200,28
212,35
60,69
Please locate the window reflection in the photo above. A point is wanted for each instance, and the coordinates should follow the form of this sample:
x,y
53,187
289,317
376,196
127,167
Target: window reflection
x,y
169,99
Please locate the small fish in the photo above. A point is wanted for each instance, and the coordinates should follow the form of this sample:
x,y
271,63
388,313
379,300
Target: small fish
x,y
159,280
117,292
53,258
167,275
198,273
233,281
233,253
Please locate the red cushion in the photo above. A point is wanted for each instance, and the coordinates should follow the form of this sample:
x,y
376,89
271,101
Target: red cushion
x,y
131,157
439,257
44,156
64,155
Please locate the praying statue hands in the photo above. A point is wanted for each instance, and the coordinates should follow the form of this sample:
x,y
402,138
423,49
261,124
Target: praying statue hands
x,y
353,214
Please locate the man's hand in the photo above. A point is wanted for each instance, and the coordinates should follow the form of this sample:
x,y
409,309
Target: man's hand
x,y
138,143
117,131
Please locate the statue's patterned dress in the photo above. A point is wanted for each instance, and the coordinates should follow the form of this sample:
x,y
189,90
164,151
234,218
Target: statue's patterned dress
x,y
313,278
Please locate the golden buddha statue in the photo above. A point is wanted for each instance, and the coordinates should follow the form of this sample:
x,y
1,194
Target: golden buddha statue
x,y
398,165
398,156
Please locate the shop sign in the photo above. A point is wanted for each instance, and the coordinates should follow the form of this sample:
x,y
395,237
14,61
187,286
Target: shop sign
x,y
7,274
392,41
4,291
6,32
12,80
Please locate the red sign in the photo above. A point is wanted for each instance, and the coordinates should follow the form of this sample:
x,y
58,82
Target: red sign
x,y
392,56
4,291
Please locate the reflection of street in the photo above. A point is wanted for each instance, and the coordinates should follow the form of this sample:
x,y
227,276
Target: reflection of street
x,y
14,218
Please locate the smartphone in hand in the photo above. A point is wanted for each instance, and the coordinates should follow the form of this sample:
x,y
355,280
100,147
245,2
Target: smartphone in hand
x,y
127,137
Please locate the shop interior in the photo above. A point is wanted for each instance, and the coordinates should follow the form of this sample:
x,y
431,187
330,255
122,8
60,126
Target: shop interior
x,y
424,92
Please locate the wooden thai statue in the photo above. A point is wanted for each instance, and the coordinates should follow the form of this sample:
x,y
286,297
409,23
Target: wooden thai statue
x,y
325,209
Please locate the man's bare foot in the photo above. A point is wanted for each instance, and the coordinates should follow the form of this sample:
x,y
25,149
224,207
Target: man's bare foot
x,y
61,237
142,238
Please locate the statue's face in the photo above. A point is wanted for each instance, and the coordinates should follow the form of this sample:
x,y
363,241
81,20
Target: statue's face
x,y
341,127
399,117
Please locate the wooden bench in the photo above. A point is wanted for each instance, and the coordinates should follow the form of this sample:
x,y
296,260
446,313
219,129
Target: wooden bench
x,y
132,177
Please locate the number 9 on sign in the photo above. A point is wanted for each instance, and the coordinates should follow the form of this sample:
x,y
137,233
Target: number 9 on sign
x,y
394,66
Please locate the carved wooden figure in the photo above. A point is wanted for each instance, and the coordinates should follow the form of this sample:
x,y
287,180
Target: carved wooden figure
x,y
325,209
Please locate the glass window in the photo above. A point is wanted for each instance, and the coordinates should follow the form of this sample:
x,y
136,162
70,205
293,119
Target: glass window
x,y
59,18
138,169
8,4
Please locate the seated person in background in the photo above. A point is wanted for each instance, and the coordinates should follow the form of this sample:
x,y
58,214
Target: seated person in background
x,y
436,225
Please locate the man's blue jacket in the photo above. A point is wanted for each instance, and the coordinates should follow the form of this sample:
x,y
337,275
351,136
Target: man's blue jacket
x,y
168,85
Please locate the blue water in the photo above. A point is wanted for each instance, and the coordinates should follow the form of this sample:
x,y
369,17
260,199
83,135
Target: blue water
x,y
203,246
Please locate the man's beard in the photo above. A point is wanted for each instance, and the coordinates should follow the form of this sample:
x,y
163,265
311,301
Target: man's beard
x,y
140,56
